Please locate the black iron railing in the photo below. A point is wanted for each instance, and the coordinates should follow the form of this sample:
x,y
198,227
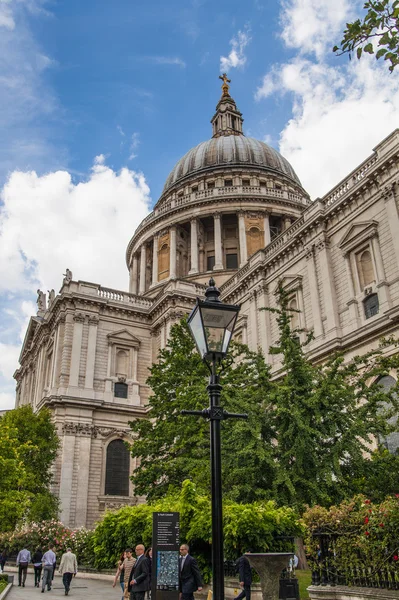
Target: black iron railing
x,y
328,568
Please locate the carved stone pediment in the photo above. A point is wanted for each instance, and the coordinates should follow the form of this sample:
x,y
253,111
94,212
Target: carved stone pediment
x,y
357,234
289,283
123,336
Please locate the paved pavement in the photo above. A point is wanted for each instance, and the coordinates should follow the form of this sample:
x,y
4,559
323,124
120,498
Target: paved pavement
x,y
81,589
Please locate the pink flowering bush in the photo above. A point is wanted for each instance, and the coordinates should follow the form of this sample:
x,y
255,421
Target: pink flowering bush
x,y
40,535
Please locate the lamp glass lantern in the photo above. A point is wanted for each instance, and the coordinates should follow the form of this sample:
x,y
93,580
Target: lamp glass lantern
x,y
212,325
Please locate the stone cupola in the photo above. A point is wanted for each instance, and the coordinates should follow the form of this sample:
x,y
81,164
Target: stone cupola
x,y
227,120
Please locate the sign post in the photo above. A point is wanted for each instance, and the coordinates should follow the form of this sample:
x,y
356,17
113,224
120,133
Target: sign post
x,y
165,556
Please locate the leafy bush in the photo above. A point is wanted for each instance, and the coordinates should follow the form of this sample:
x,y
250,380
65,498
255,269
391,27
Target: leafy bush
x,y
258,526
40,535
363,535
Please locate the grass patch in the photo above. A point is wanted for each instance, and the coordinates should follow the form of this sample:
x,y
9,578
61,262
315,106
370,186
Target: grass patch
x,y
304,581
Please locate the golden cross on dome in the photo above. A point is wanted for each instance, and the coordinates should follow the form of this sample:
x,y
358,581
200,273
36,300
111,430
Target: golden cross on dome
x,y
225,86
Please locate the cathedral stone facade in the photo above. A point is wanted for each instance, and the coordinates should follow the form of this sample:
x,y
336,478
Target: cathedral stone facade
x,y
232,208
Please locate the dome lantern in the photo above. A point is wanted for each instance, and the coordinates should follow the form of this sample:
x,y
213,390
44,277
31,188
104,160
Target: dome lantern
x,y
227,120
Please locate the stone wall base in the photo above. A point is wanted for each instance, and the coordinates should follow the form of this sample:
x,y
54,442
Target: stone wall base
x,y
342,592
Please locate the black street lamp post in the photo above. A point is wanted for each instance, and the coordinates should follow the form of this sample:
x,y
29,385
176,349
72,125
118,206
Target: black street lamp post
x,y
212,325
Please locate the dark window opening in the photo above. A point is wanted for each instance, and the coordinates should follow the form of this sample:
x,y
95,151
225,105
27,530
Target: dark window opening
x,y
228,183
120,390
210,185
371,306
246,182
117,469
231,261
210,263
209,235
233,122
194,188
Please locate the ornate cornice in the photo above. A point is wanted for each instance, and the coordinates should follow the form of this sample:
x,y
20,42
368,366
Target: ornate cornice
x,y
93,431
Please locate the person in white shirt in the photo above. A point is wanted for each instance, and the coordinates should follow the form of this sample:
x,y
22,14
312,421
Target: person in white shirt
x,y
49,559
23,559
68,569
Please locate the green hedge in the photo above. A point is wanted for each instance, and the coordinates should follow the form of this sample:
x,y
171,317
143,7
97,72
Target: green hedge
x,y
257,526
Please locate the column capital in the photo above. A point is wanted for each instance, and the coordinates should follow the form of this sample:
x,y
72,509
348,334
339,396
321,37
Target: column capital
x,y
309,252
217,214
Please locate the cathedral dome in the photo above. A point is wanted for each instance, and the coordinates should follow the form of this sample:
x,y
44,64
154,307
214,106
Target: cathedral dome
x,y
234,150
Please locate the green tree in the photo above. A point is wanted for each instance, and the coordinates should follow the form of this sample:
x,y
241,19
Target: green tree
x,y
376,476
29,445
325,416
377,33
172,447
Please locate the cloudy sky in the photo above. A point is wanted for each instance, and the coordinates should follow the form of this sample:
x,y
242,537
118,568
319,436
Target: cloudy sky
x,y
99,99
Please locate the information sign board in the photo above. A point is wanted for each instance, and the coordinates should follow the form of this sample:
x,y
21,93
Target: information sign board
x,y
165,556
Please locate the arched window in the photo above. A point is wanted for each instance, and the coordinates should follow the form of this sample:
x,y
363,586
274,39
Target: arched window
x,y
391,442
366,269
117,469
163,262
371,306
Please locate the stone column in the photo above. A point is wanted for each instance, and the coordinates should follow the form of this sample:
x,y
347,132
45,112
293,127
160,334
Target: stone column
x,y
287,222
76,349
253,341
39,378
314,292
143,267
267,230
133,275
218,242
328,287
155,260
173,252
91,352
194,248
352,302
242,236
84,444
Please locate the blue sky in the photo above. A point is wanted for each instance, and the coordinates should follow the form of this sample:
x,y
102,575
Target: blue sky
x,y
98,101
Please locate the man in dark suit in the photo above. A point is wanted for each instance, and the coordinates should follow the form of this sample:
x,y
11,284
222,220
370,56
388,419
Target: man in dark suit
x,y
245,576
190,577
139,581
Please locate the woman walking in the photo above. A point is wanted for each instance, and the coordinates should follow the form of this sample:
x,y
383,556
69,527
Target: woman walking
x,y
37,565
120,573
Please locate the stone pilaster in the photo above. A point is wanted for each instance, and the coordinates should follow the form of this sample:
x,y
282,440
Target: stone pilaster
x,y
76,349
67,469
390,195
352,302
267,229
84,478
328,287
314,293
253,341
264,319
91,352
382,285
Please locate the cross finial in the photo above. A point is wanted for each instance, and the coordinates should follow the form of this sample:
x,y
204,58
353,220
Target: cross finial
x,y
225,86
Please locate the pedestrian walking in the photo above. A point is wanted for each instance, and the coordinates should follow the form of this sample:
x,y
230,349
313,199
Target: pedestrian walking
x,y
139,576
49,560
68,569
3,560
23,560
120,574
37,565
189,574
245,577
128,565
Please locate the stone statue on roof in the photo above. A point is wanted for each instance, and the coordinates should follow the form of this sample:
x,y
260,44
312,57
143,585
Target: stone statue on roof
x,y
67,277
41,301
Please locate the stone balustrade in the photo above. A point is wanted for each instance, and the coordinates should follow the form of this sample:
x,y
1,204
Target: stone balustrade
x,y
350,182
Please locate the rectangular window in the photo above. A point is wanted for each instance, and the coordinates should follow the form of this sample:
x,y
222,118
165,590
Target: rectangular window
x,y
210,263
231,261
228,183
371,306
210,185
246,182
194,188
120,390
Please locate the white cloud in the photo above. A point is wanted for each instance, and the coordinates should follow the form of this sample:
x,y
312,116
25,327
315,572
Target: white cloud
x,y
49,223
236,57
134,144
340,109
165,60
